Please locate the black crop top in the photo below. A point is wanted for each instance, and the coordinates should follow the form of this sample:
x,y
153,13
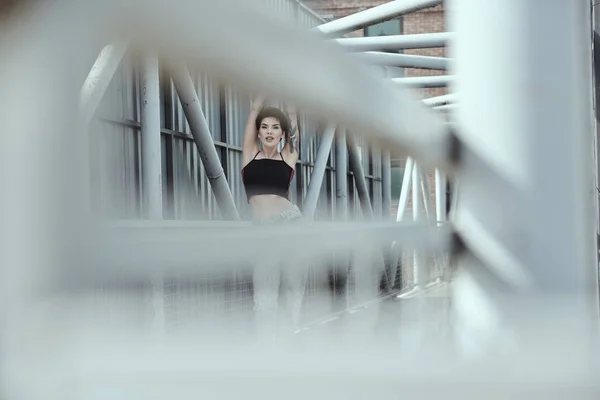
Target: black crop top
x,y
267,176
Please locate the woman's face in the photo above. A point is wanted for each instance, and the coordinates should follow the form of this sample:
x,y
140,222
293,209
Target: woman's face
x,y
269,132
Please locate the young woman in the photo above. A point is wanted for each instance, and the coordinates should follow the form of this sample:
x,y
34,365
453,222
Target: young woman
x,y
267,174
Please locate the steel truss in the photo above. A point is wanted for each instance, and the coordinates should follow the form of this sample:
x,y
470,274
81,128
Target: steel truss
x,y
522,232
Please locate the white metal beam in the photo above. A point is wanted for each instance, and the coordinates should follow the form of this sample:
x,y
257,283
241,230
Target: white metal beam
x,y
395,42
204,142
424,81
510,214
98,79
138,249
318,173
440,100
402,60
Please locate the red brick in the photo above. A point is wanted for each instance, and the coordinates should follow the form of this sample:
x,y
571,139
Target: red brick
x,y
429,20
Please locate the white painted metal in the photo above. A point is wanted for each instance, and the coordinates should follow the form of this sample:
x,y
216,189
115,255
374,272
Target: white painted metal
x,y
402,60
424,81
511,213
395,42
341,175
98,80
418,275
440,195
152,168
405,189
318,173
440,100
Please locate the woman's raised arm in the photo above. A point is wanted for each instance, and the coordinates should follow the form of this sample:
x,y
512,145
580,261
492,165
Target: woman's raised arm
x,y
293,137
250,143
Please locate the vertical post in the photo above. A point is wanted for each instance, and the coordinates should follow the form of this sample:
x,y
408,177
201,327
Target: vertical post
x,y
440,195
386,182
359,176
151,164
341,175
416,211
426,192
596,76
204,141
343,264
316,179
540,113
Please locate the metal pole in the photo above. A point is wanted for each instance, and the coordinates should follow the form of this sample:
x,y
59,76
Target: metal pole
x,y
426,191
90,96
445,107
98,80
316,178
440,195
511,215
359,176
405,189
596,63
151,166
204,142
341,175
386,182
151,140
374,15
416,212
440,100
403,60
424,81
395,42
343,264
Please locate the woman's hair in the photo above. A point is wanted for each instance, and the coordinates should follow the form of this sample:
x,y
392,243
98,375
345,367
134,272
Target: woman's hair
x,y
275,113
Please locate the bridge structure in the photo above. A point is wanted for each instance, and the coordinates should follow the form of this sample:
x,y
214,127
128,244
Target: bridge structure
x,y
126,243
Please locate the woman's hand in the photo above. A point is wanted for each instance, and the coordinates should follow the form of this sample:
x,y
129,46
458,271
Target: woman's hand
x,y
258,101
291,110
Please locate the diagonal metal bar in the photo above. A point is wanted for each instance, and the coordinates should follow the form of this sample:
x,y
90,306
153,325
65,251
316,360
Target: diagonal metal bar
x,y
355,162
204,142
316,178
98,79
424,81
440,100
395,42
403,60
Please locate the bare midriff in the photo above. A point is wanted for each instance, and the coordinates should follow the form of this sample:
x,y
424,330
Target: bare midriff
x,y
267,205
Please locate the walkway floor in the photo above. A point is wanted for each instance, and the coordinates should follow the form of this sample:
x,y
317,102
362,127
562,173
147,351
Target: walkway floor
x,y
410,320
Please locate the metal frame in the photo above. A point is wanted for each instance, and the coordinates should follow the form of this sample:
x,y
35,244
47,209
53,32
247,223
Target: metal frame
x,y
507,193
402,60
507,181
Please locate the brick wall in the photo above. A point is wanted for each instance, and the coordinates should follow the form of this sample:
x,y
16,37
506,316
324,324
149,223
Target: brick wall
x,y
429,20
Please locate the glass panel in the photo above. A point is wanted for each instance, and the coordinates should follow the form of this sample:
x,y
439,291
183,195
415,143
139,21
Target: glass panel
x,y
392,27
